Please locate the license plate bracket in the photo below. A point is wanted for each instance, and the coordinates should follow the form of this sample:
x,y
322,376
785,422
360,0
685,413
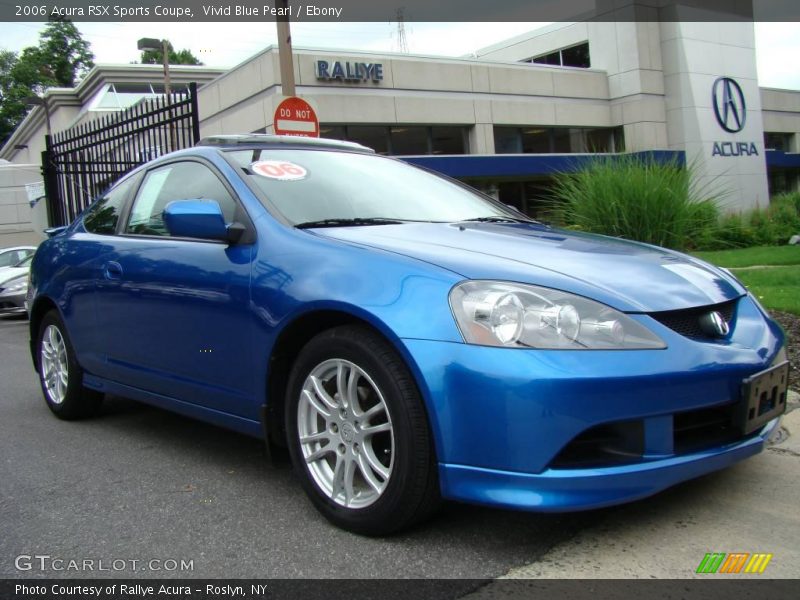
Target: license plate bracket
x,y
763,397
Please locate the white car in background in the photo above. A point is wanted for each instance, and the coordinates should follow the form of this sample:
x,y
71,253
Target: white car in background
x,y
14,255
14,287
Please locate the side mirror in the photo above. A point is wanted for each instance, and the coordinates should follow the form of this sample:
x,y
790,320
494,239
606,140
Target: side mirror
x,y
199,219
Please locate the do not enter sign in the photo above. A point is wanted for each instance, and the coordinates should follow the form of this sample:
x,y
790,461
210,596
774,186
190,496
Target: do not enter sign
x,y
294,116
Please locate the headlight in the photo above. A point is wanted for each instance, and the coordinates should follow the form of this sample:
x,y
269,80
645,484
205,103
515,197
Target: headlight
x,y
493,313
15,286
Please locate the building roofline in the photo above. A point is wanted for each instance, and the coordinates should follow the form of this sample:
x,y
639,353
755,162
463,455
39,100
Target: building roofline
x,y
399,56
98,76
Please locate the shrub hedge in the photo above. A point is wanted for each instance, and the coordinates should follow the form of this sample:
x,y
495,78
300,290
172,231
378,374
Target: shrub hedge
x,y
658,203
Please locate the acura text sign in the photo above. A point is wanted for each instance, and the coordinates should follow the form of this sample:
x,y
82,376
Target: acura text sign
x,y
730,110
294,116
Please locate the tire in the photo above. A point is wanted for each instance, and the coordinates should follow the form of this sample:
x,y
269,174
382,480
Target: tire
x,y
60,375
368,464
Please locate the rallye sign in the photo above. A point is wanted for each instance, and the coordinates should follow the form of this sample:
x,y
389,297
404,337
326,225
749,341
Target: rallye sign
x,y
348,71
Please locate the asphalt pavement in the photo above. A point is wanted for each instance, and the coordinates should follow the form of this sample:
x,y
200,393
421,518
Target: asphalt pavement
x,y
141,484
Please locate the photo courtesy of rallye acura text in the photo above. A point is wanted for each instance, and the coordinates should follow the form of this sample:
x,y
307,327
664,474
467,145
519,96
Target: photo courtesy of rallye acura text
x,y
409,339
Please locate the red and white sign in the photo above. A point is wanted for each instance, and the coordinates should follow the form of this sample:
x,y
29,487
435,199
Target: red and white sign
x,y
294,116
279,169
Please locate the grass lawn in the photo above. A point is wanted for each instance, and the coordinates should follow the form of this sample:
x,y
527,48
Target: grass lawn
x,y
776,284
758,255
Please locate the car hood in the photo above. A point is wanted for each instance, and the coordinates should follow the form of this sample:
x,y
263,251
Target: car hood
x,y
626,275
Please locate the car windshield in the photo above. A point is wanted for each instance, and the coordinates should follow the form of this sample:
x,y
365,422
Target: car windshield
x,y
328,188
25,262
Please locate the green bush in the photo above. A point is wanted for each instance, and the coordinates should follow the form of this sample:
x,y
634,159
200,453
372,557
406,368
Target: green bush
x,y
637,199
769,226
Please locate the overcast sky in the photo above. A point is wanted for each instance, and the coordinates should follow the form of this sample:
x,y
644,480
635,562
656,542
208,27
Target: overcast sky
x,y
227,44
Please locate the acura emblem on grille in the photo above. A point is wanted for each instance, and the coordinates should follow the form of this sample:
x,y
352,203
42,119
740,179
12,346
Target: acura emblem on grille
x,y
714,324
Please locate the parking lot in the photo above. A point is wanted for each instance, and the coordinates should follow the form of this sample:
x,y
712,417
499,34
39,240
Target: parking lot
x,y
140,484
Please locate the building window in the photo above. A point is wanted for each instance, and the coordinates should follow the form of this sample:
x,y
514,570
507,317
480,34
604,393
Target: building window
x,y
532,198
448,140
125,94
507,140
402,140
535,140
371,136
778,141
574,56
558,140
409,140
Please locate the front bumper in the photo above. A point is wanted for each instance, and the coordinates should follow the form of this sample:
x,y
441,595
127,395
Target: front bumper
x,y
503,419
557,490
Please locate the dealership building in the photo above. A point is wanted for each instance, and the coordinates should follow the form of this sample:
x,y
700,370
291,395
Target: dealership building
x,y
510,115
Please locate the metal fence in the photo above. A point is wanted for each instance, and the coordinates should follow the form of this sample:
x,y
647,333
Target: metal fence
x,y
81,162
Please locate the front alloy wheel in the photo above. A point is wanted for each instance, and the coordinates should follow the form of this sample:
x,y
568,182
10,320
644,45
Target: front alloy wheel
x,y
345,433
358,433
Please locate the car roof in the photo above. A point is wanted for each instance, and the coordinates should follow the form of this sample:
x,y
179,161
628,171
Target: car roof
x,y
266,140
12,248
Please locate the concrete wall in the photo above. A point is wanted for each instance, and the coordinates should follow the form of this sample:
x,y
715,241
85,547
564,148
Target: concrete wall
x,y
630,56
694,56
15,212
414,90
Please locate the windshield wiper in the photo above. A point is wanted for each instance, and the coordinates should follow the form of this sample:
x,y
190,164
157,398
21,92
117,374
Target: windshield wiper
x,y
502,219
357,221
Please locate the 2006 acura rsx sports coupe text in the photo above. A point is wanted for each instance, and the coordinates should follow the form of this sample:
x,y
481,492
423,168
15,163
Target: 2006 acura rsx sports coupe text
x,y
407,338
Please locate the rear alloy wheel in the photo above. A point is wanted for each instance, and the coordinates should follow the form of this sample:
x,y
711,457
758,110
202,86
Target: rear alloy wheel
x,y
359,438
60,375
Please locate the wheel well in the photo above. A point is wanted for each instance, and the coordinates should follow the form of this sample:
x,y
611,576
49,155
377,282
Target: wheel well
x,y
41,307
287,347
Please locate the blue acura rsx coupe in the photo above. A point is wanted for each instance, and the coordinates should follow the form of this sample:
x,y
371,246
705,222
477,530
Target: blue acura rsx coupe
x,y
406,337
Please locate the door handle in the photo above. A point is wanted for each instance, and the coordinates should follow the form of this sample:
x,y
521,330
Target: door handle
x,y
112,270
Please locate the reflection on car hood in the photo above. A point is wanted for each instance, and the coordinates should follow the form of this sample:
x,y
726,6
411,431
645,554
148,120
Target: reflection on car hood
x,y
626,275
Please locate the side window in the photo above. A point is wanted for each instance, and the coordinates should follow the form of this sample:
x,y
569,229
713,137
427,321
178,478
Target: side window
x,y
103,216
178,181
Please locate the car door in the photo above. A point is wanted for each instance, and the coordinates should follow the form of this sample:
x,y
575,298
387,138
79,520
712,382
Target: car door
x,y
174,312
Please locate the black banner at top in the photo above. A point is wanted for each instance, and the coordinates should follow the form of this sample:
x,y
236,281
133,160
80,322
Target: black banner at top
x,y
413,10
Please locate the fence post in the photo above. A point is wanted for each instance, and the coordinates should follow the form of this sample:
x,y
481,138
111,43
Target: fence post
x,y
51,189
195,113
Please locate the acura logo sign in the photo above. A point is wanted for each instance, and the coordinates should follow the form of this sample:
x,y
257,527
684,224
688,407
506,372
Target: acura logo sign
x,y
729,105
714,324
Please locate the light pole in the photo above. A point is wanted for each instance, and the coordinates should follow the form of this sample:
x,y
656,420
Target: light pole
x,y
285,49
163,45
37,101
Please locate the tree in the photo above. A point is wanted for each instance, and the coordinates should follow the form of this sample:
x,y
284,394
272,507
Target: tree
x,y
60,60
182,57
63,53
11,109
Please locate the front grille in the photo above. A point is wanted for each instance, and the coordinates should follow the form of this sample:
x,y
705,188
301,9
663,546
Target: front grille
x,y
697,430
686,322
624,442
604,445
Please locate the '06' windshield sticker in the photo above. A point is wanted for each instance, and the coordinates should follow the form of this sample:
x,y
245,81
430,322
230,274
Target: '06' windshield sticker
x,y
279,169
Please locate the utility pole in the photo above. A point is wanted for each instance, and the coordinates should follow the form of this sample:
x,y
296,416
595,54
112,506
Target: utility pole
x,y
285,49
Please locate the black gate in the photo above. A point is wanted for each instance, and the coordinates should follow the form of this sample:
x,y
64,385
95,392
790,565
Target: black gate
x,y
81,162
